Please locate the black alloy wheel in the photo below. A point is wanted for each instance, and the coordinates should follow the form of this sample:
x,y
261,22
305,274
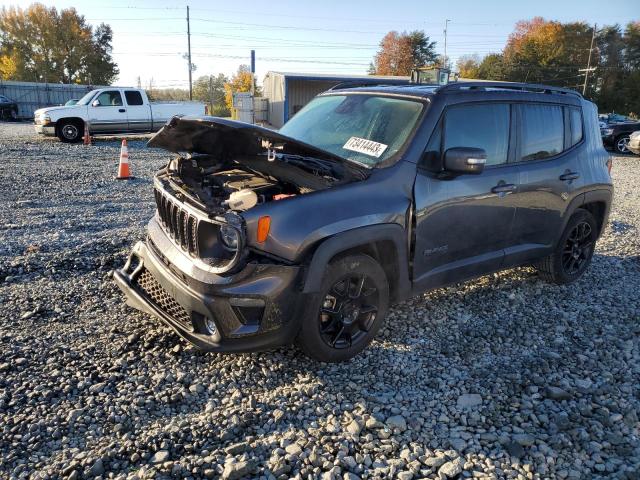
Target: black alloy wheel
x,y
577,249
348,311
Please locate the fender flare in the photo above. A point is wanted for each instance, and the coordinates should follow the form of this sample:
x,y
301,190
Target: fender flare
x,y
355,238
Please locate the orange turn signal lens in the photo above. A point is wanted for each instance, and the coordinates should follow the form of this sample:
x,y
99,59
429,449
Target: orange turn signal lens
x,y
264,224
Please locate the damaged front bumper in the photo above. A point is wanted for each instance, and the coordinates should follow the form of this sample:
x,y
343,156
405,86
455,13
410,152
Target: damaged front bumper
x,y
254,309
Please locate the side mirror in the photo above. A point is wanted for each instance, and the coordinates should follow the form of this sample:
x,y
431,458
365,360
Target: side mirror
x,y
95,103
465,160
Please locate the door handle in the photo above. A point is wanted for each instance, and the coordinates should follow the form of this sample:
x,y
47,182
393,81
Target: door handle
x,y
504,188
568,176
122,110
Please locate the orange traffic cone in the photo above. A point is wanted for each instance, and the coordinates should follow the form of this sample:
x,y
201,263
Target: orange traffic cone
x,y
87,137
123,168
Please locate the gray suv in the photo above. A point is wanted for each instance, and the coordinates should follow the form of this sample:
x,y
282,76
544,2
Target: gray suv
x,y
366,197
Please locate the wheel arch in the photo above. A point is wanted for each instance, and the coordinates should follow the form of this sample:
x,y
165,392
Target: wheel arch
x,y
64,120
386,243
598,203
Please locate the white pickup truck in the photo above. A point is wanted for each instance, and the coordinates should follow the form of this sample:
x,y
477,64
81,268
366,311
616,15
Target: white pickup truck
x,y
108,111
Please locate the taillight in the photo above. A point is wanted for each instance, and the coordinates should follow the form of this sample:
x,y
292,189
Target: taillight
x,y
264,224
609,165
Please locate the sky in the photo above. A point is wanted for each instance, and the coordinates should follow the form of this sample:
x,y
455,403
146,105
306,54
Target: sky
x,y
328,36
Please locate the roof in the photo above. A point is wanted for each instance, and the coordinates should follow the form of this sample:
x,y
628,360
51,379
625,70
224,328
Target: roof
x,y
423,90
338,77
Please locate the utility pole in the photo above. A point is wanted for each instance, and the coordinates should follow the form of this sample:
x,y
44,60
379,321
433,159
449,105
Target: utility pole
x,y
446,60
589,69
189,54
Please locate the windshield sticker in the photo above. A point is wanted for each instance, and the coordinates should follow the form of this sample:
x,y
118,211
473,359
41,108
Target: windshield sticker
x,y
368,147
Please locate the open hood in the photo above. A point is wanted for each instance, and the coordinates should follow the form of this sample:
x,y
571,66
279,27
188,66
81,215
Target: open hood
x,y
221,137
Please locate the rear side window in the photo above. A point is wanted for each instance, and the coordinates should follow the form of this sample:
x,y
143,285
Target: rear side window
x,y
542,128
133,97
575,122
479,126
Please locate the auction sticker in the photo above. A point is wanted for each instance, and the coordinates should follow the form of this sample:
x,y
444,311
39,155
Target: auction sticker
x,y
368,147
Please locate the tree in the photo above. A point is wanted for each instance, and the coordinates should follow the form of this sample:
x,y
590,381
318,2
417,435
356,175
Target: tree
x,y
211,89
469,66
401,52
42,44
240,82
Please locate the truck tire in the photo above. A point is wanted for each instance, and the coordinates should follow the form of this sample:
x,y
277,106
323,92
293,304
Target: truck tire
x,y
353,301
620,145
573,252
70,131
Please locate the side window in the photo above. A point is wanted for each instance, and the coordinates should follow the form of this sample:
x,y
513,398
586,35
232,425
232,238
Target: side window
x,y
133,97
110,98
575,121
542,131
483,126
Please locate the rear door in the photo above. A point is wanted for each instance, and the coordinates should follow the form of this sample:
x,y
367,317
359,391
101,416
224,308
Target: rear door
x,y
107,113
549,159
138,113
463,224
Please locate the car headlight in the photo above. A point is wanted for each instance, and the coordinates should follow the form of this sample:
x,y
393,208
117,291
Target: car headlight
x,y
606,131
229,237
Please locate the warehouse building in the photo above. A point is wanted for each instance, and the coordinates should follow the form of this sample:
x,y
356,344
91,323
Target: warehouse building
x,y
289,92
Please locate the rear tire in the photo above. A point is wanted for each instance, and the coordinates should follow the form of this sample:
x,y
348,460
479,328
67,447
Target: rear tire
x,y
353,301
70,131
573,252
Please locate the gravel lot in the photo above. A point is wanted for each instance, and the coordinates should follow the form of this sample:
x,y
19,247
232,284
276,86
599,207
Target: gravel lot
x,y
503,377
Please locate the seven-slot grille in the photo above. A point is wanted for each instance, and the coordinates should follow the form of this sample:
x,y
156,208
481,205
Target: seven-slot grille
x,y
178,223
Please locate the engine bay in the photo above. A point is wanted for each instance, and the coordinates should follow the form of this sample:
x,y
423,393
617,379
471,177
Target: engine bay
x,y
240,185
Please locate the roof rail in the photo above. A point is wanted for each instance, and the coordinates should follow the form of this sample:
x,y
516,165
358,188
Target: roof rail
x,y
522,87
367,83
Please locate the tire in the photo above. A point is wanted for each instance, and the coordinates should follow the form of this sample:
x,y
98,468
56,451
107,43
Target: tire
x,y
353,301
70,131
620,145
573,252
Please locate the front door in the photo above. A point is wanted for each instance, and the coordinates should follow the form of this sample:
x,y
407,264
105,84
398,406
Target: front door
x,y
463,224
107,113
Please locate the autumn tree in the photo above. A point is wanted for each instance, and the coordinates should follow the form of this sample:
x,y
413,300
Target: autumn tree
x,y
240,82
42,44
468,66
401,52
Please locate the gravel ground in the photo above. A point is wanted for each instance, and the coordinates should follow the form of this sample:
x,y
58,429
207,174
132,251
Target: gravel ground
x,y
502,377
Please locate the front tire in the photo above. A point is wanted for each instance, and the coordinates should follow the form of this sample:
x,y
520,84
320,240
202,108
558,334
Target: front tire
x,y
574,251
70,131
353,301
621,143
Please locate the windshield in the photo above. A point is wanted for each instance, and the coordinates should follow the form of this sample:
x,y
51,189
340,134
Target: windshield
x,y
363,128
87,98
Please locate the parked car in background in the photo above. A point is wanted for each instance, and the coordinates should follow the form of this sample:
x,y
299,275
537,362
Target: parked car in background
x,y
8,108
609,118
634,142
73,101
616,135
109,111
366,197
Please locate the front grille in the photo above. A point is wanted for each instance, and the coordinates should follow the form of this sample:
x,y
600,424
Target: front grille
x,y
178,223
153,292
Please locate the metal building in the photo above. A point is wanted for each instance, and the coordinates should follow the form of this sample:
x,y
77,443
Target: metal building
x,y
31,96
289,92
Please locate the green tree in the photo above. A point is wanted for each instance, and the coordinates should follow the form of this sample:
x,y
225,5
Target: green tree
x,y
42,44
210,89
492,67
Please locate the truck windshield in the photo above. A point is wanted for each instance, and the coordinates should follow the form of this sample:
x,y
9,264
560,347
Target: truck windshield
x,y
367,129
87,98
